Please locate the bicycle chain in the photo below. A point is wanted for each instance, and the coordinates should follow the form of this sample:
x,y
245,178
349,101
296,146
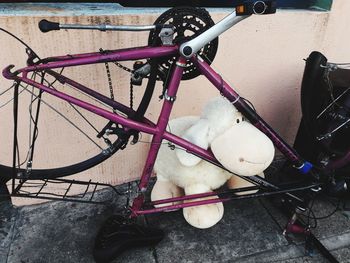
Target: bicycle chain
x,y
131,95
110,84
123,67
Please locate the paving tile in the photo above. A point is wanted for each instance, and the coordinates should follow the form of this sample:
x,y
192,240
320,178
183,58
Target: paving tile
x,y
245,229
279,254
62,232
7,221
336,224
305,259
144,255
296,253
342,255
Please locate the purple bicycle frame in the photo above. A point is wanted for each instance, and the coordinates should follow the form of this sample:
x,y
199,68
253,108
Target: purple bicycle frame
x,y
158,130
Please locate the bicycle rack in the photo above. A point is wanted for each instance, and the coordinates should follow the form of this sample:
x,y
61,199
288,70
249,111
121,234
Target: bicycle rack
x,y
59,190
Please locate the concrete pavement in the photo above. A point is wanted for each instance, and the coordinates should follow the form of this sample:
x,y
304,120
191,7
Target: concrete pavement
x,y
250,231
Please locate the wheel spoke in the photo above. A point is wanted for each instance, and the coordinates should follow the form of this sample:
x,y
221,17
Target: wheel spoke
x,y
332,103
10,100
64,117
77,110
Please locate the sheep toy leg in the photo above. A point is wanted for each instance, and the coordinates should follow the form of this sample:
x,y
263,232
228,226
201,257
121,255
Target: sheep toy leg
x,y
203,216
164,189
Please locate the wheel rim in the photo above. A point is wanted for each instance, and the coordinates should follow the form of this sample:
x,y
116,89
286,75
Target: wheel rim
x,y
29,99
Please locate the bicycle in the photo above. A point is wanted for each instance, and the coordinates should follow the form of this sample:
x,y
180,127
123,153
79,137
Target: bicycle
x,y
171,56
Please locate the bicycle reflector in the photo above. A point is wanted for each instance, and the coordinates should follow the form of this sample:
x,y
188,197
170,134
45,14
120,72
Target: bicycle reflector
x,y
256,7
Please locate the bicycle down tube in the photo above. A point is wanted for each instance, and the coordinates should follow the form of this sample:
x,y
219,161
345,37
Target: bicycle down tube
x,y
251,115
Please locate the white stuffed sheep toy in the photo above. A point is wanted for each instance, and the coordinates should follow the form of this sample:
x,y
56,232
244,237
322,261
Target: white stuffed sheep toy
x,y
237,145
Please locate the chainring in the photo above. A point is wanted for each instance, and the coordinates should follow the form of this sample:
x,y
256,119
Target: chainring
x,y
188,22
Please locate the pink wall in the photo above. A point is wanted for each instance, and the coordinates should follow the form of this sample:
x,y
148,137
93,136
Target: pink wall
x,y
262,57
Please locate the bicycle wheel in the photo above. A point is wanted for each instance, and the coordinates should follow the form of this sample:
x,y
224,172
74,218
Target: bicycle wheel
x,y
325,101
55,138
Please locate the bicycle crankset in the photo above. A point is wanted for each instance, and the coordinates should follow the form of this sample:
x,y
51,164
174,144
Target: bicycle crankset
x,y
188,22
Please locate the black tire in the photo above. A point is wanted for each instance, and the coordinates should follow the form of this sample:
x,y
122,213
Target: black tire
x,y
7,172
69,168
313,93
315,97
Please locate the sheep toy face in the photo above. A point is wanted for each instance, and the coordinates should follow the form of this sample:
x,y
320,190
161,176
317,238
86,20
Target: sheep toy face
x,y
243,149
237,145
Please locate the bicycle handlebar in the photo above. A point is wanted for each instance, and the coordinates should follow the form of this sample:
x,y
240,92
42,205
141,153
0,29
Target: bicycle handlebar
x,y
46,26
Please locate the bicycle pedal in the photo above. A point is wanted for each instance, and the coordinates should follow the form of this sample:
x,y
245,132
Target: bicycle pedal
x,y
119,234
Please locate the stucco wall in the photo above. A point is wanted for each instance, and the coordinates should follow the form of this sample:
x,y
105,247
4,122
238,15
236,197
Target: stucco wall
x,y
262,57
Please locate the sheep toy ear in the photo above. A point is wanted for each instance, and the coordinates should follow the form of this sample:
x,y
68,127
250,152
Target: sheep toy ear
x,y
198,135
